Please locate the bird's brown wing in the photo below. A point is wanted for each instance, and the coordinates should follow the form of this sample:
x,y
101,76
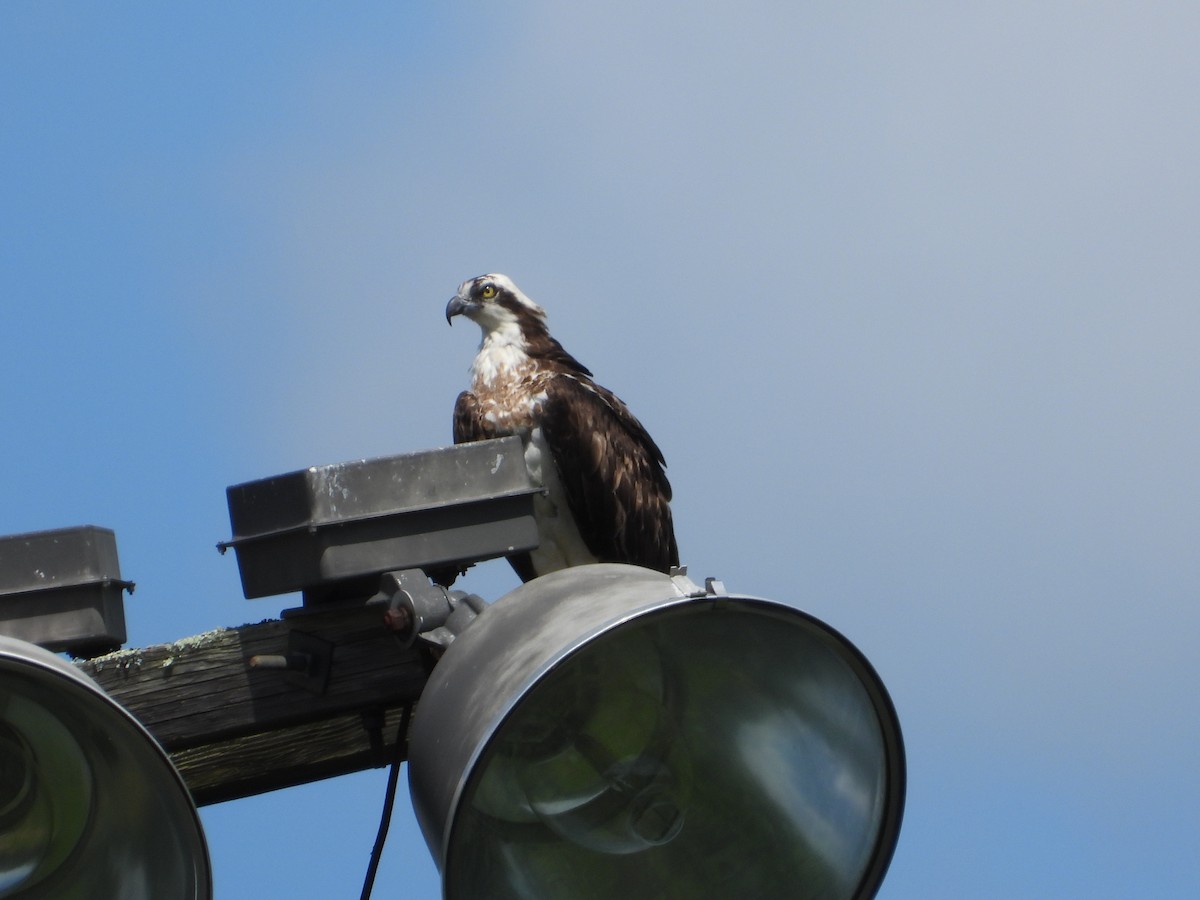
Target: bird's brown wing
x,y
469,424
612,473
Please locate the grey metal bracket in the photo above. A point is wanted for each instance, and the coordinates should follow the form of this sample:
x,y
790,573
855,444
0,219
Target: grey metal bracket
x,y
418,609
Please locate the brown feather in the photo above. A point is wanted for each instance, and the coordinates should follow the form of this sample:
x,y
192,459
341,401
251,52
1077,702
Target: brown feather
x,y
612,472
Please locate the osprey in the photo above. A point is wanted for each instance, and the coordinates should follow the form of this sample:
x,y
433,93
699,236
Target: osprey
x,y
605,495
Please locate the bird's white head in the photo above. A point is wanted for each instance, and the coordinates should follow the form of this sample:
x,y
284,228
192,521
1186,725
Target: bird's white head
x,y
496,304
512,324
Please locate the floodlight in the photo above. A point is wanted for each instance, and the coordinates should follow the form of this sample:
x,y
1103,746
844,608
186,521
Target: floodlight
x,y
332,531
62,589
90,806
608,731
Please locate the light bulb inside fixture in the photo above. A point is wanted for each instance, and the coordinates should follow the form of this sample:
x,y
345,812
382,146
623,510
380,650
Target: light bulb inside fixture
x,y
593,754
45,793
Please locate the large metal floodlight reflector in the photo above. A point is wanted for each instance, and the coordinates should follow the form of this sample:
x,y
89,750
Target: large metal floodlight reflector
x,y
90,806
612,732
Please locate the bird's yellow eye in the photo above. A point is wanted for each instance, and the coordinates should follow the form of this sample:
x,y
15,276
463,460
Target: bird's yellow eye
x,y
488,291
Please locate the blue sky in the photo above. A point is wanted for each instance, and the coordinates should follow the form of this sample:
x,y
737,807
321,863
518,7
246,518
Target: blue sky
x,y
906,293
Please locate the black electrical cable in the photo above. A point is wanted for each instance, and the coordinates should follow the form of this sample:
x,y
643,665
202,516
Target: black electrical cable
x,y
389,801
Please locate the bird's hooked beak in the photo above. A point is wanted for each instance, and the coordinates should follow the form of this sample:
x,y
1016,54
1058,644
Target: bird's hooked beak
x,y
457,306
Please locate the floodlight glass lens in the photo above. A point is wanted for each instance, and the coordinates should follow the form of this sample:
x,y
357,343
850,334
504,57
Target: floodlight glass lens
x,y
698,751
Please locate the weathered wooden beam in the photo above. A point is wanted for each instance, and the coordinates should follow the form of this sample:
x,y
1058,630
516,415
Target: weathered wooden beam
x,y
234,729
257,763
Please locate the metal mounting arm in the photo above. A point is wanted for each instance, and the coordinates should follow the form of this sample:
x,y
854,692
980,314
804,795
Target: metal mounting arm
x,y
419,609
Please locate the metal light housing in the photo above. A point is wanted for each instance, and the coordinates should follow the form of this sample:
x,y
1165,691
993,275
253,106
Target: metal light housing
x,y
332,531
62,590
90,805
609,731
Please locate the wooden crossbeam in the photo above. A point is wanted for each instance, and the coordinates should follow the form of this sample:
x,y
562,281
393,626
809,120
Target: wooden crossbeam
x,y
234,729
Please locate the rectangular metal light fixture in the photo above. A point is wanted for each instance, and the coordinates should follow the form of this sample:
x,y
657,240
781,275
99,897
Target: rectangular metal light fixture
x,y
331,531
62,589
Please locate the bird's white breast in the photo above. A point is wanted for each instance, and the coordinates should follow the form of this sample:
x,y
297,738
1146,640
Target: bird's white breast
x,y
508,389
502,355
